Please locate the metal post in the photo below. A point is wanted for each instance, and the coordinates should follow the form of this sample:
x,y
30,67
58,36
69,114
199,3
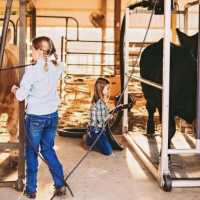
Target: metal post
x,y
117,20
33,23
186,21
61,76
4,30
125,113
163,165
22,54
198,93
66,40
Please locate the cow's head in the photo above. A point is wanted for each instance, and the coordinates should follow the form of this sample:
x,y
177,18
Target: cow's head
x,y
190,42
9,34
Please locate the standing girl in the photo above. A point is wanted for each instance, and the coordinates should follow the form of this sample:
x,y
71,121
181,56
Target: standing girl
x,y
98,116
39,86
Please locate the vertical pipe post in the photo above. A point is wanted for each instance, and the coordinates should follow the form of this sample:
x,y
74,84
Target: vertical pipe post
x,y
22,55
117,20
4,30
103,48
186,21
61,76
198,93
66,40
125,113
163,164
174,25
33,24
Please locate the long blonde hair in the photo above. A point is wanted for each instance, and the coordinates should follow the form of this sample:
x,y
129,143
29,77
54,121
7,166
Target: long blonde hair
x,y
97,92
46,45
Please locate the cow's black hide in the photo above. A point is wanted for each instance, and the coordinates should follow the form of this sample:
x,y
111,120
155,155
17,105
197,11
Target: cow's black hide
x,y
183,81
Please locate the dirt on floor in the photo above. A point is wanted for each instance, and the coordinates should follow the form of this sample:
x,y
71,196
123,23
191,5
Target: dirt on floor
x,y
75,112
120,176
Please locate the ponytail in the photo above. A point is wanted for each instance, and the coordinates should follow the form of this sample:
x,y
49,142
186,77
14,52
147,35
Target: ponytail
x,y
55,61
45,58
46,45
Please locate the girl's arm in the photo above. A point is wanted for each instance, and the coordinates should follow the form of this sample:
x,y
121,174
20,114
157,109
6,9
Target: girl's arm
x,y
14,89
107,117
93,115
25,85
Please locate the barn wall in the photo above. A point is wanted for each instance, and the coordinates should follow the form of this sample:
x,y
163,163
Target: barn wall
x,y
81,9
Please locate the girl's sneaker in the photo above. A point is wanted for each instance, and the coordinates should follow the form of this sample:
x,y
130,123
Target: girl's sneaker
x,y
30,196
86,147
60,191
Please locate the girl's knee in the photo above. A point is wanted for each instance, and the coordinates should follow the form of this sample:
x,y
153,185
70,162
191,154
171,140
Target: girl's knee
x,y
107,152
47,153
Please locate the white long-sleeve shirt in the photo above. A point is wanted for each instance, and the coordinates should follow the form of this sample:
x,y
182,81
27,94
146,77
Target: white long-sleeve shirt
x,y
40,88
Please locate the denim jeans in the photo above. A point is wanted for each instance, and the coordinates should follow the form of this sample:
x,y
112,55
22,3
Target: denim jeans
x,y
102,143
41,130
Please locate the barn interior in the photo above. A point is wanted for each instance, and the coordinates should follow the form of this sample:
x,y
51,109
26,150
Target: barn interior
x,y
89,46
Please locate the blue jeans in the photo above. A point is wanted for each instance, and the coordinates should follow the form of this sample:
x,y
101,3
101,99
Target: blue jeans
x,y
102,143
41,130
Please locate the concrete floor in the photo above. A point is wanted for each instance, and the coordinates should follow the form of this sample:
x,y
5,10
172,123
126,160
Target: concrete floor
x,y
121,176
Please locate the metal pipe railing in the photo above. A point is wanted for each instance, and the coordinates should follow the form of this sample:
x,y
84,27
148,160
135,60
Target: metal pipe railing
x,y
156,85
14,29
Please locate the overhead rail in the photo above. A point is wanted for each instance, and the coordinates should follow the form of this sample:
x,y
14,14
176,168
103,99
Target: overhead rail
x,y
188,5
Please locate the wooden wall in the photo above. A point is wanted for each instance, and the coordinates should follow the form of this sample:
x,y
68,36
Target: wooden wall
x,y
81,9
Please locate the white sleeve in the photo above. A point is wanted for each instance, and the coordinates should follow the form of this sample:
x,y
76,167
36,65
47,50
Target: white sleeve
x,y
28,79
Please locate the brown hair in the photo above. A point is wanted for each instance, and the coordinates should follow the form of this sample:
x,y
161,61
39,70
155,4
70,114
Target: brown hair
x,y
97,92
46,45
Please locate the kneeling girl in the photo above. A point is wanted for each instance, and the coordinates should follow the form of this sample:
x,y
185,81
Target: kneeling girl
x,y
98,116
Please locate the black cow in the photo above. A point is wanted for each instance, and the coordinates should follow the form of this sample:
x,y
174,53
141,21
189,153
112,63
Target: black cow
x,y
183,81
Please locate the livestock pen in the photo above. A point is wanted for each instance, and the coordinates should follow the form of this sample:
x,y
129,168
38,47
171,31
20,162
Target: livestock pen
x,y
122,175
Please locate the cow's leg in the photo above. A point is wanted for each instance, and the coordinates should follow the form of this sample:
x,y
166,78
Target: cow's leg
x,y
150,123
160,113
172,130
12,128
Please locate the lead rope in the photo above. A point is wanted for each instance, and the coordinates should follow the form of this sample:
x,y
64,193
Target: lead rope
x,y
21,66
66,184
105,124
195,59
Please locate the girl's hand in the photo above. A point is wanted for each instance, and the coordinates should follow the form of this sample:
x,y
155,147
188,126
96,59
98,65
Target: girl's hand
x,y
107,117
120,105
14,89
